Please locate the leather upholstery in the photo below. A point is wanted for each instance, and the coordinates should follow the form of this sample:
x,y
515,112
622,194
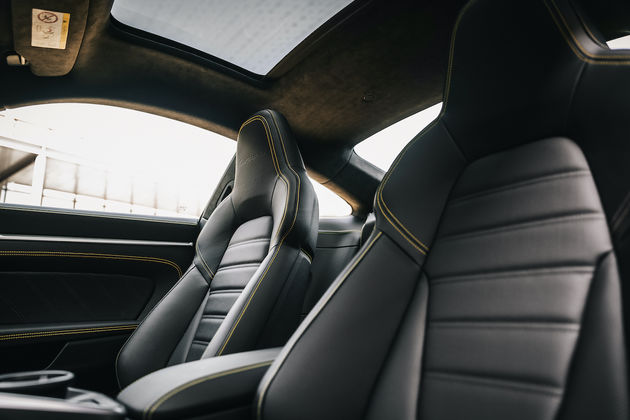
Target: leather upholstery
x,y
489,288
337,242
246,285
200,387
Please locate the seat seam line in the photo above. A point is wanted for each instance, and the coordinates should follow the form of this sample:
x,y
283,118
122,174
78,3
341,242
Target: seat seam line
x,y
521,225
517,185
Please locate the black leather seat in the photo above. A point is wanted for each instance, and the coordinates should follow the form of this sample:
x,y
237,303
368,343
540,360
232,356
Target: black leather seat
x,y
489,288
246,285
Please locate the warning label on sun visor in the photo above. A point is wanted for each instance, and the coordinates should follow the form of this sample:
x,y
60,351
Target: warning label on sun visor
x,y
50,29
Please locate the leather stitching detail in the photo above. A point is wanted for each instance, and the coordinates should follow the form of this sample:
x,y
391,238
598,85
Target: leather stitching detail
x,y
522,225
274,156
521,326
308,256
380,200
510,274
203,262
495,383
575,45
73,331
224,291
311,317
148,412
92,255
248,242
337,232
520,184
240,265
79,213
146,317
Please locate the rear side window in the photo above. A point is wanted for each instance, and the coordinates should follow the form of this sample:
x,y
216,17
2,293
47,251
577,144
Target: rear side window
x,y
110,159
330,204
622,43
382,148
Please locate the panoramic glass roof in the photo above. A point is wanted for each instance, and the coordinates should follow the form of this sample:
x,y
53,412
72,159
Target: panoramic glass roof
x,y
252,34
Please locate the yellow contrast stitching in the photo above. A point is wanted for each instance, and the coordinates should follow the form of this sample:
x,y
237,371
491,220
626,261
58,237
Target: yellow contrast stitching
x,y
91,255
203,262
583,53
577,48
380,198
426,248
316,311
336,232
379,193
104,215
310,258
422,251
38,334
153,407
286,181
144,319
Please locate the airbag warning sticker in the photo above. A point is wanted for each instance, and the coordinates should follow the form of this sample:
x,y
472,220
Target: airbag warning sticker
x,y
50,29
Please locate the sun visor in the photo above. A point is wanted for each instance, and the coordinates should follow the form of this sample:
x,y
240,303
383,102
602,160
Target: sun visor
x,y
48,33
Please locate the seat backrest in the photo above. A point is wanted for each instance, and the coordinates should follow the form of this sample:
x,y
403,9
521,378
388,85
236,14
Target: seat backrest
x,y
489,288
338,240
246,285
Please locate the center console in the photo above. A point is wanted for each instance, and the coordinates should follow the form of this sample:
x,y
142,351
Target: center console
x,y
215,388
47,395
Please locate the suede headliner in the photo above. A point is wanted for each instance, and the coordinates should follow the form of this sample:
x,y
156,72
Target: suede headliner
x,y
378,63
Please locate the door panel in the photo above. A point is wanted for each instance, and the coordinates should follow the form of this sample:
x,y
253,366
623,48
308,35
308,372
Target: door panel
x,y
35,220
74,285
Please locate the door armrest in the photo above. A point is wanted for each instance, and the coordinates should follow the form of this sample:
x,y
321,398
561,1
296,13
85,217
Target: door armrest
x,y
202,387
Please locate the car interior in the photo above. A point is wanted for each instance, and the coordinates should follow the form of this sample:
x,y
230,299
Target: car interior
x,y
484,274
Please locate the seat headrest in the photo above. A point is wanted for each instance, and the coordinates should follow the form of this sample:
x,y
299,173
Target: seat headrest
x,y
514,72
265,152
519,72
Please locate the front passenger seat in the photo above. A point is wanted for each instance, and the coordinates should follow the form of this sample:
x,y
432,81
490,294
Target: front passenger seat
x,y
245,287
489,288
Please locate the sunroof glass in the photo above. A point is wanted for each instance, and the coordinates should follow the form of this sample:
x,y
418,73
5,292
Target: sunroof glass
x,y
252,34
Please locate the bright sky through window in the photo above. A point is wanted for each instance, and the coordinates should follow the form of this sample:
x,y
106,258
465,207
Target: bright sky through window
x,y
382,148
622,43
252,34
112,159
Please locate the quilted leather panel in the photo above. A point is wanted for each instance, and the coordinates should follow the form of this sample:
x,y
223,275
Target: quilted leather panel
x,y
247,248
504,316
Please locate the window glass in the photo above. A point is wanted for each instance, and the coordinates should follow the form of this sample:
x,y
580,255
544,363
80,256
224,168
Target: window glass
x,y
330,204
103,158
382,148
622,43
251,34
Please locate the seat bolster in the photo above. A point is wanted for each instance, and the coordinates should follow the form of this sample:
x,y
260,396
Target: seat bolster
x,y
294,202
214,238
408,219
598,385
329,367
268,310
150,346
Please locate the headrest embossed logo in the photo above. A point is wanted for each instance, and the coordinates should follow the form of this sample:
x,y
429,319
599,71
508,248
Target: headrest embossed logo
x,y
249,158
